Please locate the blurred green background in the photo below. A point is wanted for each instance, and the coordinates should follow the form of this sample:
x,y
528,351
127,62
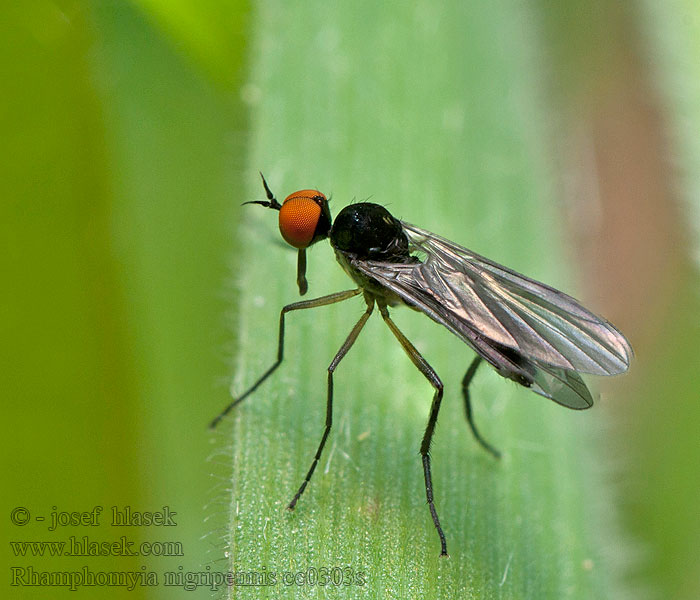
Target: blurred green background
x,y
563,134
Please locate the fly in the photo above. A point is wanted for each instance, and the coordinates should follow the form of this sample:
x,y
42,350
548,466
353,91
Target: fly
x,y
527,331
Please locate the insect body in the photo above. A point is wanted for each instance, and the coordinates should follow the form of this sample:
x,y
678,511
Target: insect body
x,y
527,331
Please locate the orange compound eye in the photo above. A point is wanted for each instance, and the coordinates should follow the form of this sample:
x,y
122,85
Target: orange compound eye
x,y
299,217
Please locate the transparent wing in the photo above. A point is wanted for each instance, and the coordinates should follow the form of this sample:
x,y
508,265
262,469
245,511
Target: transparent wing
x,y
497,311
561,385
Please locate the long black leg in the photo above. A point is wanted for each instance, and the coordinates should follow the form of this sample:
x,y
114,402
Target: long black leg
x,y
468,376
434,380
350,340
322,301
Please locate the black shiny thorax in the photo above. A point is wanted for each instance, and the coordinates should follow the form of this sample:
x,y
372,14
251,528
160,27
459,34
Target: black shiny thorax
x,y
368,231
